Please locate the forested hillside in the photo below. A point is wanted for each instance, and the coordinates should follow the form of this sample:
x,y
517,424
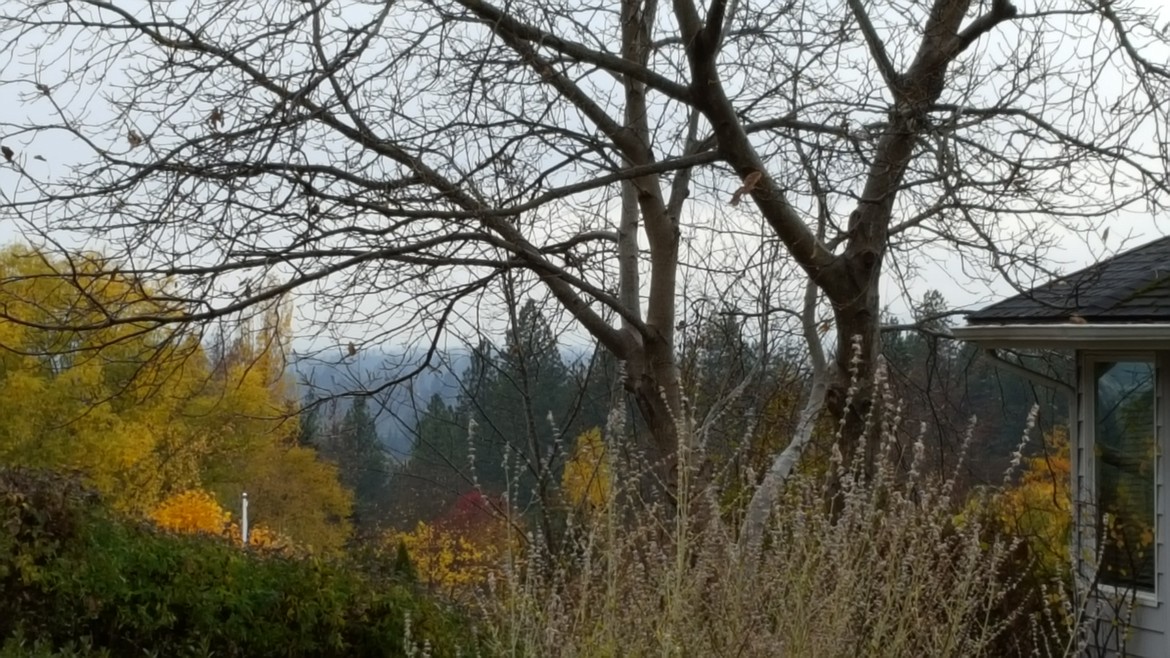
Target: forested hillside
x,y
148,414
508,419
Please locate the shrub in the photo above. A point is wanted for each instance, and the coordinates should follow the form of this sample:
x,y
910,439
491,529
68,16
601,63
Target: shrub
x,y
75,573
17,646
1035,505
197,512
459,552
192,512
444,560
1038,505
890,569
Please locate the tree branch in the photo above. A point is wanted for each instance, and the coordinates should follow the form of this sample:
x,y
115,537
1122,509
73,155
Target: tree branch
x,y
1001,10
877,49
502,22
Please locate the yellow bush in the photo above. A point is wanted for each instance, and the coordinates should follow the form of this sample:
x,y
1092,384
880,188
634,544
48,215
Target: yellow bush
x,y
447,560
586,480
194,511
264,539
197,511
1039,507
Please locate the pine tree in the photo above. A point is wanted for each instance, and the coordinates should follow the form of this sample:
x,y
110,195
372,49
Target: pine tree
x,y
530,386
437,472
356,449
309,435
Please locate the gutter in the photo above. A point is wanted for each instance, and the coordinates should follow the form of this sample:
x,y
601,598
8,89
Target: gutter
x,y
1065,335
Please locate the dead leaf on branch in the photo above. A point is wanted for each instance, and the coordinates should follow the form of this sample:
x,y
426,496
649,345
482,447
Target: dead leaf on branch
x,y
749,183
216,118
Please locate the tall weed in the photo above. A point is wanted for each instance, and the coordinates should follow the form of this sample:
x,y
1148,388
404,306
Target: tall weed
x,y
893,567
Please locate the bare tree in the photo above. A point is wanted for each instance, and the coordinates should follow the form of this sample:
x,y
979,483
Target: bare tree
x,y
387,161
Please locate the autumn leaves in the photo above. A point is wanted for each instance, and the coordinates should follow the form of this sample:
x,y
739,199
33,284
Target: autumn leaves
x,y
151,412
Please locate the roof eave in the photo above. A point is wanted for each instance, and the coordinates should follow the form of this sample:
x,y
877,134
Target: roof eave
x,y
1065,335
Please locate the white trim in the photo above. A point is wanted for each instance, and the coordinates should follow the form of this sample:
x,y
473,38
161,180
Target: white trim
x,y
1141,597
1066,335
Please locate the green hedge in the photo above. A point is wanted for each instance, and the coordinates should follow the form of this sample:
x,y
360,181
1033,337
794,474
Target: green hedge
x,y
74,574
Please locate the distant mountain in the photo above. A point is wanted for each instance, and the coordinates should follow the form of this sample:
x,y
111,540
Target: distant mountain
x,y
396,407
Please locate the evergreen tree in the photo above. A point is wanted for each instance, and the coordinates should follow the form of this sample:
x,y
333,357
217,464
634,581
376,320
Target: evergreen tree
x,y
530,388
943,384
437,472
746,413
309,430
356,449
593,386
507,396
531,351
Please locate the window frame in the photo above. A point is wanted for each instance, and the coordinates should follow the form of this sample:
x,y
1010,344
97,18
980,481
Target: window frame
x,y
1087,519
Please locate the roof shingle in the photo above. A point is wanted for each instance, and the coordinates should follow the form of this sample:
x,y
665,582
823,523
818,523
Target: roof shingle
x,y
1133,286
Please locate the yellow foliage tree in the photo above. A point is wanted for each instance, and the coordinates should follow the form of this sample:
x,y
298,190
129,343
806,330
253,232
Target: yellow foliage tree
x,y
445,560
143,410
586,480
100,400
459,551
1039,506
293,492
247,409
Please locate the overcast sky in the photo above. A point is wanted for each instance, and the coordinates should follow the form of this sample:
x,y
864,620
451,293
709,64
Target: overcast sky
x,y
943,272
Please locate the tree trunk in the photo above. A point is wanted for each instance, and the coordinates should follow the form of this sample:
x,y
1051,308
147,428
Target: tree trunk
x,y
652,378
850,394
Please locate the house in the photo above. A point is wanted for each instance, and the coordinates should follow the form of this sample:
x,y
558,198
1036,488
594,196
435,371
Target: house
x,y
1113,319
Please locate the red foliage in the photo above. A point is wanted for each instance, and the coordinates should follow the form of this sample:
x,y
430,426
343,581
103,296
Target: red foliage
x,y
471,511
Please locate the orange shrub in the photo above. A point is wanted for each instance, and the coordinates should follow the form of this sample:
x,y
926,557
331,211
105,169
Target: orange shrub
x,y
194,511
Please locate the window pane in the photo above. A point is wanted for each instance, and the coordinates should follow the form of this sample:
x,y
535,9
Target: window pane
x,y
1125,451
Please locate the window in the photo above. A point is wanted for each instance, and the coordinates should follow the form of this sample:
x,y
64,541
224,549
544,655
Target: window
x,y
1125,450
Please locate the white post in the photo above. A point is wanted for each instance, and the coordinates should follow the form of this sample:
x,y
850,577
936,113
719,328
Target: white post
x,y
244,519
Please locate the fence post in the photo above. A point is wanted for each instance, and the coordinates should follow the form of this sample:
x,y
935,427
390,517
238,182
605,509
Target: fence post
x,y
244,519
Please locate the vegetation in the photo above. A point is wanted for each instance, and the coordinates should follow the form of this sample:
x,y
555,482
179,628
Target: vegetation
x,y
893,569
75,573
709,200
522,512
587,478
633,166
1038,506
147,413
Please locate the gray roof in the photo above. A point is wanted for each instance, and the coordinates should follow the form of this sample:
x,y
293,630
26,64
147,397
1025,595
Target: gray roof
x,y
1133,286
